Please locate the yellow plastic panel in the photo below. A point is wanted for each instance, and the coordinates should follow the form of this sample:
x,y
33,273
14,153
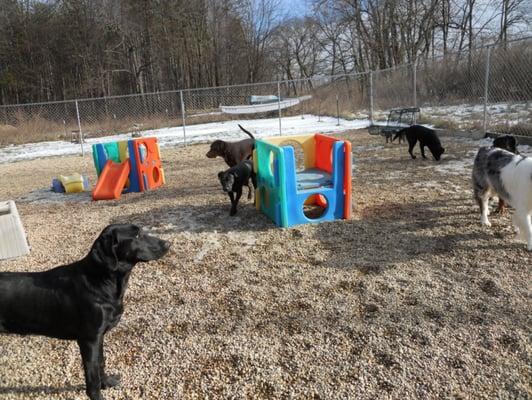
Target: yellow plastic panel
x,y
306,141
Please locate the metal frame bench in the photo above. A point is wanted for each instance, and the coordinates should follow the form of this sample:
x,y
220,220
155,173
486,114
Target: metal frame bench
x,y
398,118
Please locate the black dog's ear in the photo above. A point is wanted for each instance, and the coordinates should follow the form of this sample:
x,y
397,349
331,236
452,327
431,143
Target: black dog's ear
x,y
220,174
104,250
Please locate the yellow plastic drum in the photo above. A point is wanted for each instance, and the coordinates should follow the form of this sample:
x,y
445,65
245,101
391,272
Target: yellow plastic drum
x,y
72,183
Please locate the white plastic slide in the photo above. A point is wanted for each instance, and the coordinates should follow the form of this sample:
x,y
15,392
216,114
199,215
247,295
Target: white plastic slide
x,y
260,108
13,242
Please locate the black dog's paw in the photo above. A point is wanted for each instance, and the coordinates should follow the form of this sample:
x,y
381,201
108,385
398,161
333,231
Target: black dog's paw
x,y
94,395
413,157
232,212
110,381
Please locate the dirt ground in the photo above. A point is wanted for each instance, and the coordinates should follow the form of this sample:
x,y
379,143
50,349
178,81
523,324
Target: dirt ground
x,y
411,298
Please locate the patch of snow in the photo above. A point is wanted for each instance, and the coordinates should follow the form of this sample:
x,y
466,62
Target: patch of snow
x,y
370,147
210,244
455,167
525,150
427,184
242,238
199,133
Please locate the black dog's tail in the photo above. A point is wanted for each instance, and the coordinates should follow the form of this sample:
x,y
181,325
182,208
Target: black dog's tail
x,y
248,132
401,132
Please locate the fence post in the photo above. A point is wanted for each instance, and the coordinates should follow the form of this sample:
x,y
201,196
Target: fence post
x,y
414,82
486,85
279,105
80,132
371,97
414,78
183,117
337,111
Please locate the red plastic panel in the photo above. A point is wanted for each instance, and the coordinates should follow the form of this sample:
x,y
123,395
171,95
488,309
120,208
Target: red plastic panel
x,y
324,152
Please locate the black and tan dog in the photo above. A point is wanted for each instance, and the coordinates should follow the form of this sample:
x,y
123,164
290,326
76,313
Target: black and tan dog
x,y
81,301
233,152
234,179
425,136
506,142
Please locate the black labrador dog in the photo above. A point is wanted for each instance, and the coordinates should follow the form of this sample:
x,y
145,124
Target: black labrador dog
x,y
234,178
233,152
81,301
506,142
425,136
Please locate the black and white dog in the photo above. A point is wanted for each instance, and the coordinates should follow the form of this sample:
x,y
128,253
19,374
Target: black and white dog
x,y
234,179
509,176
506,142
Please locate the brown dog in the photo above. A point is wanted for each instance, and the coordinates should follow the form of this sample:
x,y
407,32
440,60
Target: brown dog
x,y
233,152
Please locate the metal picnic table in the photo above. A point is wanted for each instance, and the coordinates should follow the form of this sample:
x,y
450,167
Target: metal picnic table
x,y
398,119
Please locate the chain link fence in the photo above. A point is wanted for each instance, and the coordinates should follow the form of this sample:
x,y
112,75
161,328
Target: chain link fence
x,y
450,90
486,90
509,89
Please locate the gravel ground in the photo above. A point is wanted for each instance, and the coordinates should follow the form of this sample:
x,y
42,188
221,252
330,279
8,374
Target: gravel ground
x,y
411,298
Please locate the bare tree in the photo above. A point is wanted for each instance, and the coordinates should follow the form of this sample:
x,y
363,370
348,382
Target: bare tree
x,y
260,18
512,13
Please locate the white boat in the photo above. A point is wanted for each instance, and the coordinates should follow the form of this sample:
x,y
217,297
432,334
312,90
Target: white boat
x,y
265,107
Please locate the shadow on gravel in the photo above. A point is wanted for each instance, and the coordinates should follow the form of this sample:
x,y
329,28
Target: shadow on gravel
x,y
200,218
41,389
175,193
394,233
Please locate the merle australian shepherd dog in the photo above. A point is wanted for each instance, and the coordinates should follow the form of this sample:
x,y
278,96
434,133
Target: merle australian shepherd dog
x,y
425,136
506,142
509,176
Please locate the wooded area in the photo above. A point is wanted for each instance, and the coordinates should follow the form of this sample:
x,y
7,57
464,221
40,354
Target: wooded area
x,y
66,49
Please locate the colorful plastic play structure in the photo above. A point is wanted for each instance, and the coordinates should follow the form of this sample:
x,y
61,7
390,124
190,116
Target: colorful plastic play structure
x,y
325,183
126,166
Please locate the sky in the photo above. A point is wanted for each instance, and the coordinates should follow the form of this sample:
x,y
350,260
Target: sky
x,y
296,8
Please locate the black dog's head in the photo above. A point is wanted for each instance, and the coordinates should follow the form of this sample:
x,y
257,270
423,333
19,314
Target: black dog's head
x,y
227,180
437,153
506,142
217,149
121,246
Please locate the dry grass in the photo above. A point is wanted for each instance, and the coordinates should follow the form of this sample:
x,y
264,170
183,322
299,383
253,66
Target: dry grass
x,y
411,298
523,128
438,122
31,130
37,129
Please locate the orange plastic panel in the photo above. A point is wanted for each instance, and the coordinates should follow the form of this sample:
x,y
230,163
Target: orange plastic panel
x,y
151,175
